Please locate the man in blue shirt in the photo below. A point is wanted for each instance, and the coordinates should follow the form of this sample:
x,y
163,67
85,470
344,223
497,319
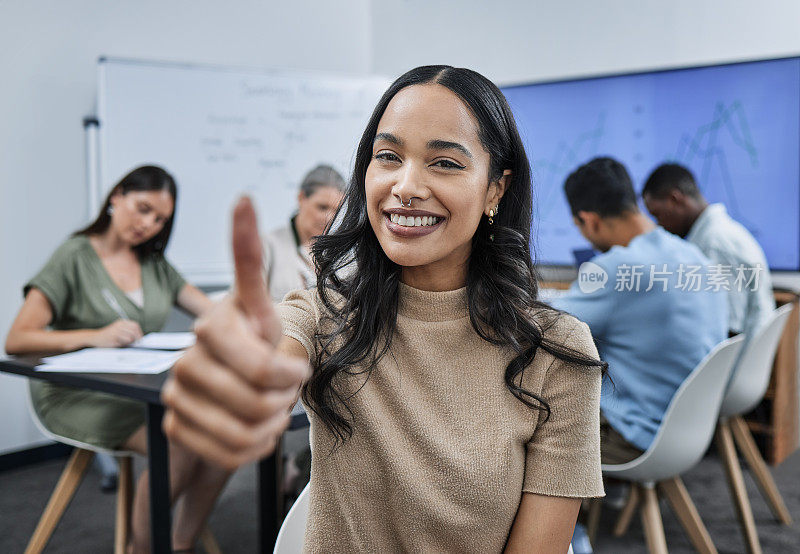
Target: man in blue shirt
x,y
649,301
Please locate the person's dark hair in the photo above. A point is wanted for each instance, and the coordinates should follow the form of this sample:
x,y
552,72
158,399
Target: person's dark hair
x,y
668,177
144,178
602,186
321,176
501,280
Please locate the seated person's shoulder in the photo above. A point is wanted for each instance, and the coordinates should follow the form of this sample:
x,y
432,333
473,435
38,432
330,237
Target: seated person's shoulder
x,y
73,245
277,242
616,256
69,251
728,248
687,251
278,234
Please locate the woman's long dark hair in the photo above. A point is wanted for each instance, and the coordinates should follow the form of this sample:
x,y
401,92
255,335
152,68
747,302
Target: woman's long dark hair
x,y
501,279
144,178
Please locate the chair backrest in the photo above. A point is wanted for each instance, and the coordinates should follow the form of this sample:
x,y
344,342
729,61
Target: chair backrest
x,y
293,530
751,376
66,440
689,422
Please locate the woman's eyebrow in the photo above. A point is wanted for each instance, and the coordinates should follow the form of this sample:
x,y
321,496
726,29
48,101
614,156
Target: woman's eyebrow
x,y
435,144
388,137
438,144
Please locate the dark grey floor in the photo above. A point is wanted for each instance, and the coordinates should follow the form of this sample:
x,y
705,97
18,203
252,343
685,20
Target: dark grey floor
x,y
87,526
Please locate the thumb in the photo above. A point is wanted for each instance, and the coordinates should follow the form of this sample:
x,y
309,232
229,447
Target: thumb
x,y
250,292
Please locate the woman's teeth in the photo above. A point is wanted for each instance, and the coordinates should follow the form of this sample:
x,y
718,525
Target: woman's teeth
x,y
414,221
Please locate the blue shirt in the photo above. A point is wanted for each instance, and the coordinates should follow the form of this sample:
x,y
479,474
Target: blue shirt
x,y
652,339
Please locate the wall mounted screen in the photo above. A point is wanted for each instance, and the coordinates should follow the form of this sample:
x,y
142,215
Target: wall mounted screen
x,y
736,126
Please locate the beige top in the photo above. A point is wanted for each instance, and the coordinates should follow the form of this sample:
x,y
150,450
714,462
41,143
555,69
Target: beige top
x,y
287,265
441,450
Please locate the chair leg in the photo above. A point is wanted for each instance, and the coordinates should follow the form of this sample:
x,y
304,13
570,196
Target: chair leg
x,y
210,544
652,523
766,484
736,484
59,500
593,521
124,504
684,508
626,515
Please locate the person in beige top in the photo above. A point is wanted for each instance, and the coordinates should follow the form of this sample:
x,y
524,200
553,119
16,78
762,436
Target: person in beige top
x,y
287,250
450,410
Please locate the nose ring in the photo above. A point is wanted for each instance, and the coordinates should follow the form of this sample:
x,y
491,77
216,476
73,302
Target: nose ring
x,y
405,205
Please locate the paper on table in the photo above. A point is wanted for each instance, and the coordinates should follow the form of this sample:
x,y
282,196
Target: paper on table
x,y
165,341
111,360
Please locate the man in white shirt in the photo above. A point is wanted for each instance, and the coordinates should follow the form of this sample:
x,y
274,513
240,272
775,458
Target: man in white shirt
x,y
674,200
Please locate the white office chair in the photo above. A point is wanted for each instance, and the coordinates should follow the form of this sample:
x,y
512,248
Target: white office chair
x,y
745,391
68,483
293,529
681,441
71,477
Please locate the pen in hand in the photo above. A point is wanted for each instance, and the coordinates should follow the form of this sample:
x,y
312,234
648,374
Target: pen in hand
x,y
121,332
112,302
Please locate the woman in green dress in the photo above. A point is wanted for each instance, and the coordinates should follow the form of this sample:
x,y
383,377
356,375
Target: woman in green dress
x,y
115,267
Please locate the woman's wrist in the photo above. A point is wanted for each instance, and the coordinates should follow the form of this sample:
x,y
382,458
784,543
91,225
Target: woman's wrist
x,y
86,338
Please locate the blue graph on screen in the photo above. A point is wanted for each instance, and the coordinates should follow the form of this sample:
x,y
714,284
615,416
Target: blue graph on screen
x,y
703,148
737,127
564,159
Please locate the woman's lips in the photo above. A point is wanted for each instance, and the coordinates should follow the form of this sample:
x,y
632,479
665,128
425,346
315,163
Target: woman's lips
x,y
404,231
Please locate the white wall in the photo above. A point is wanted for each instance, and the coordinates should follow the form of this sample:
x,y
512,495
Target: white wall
x,y
47,67
523,40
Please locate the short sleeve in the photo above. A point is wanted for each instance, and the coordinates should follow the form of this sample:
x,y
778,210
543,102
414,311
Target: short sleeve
x,y
563,457
173,279
55,280
299,313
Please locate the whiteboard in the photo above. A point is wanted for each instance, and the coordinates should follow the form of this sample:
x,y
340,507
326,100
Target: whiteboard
x,y
222,132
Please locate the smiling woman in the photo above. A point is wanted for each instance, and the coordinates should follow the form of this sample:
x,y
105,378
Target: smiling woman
x,y
450,410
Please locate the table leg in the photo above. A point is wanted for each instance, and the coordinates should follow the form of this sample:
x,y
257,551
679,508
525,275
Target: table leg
x,y
270,501
158,464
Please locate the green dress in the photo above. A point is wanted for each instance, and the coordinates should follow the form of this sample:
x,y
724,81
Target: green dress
x,y
74,281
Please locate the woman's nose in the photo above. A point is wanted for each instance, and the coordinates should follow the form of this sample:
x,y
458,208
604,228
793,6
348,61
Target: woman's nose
x,y
411,183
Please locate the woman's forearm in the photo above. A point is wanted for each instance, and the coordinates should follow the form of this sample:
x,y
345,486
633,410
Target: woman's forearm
x,y
543,524
193,300
35,341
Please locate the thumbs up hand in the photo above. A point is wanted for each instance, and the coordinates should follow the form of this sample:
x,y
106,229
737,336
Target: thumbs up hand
x,y
229,396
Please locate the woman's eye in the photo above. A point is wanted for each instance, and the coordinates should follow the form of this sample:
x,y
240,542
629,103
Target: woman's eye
x,y
448,164
387,156
143,210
